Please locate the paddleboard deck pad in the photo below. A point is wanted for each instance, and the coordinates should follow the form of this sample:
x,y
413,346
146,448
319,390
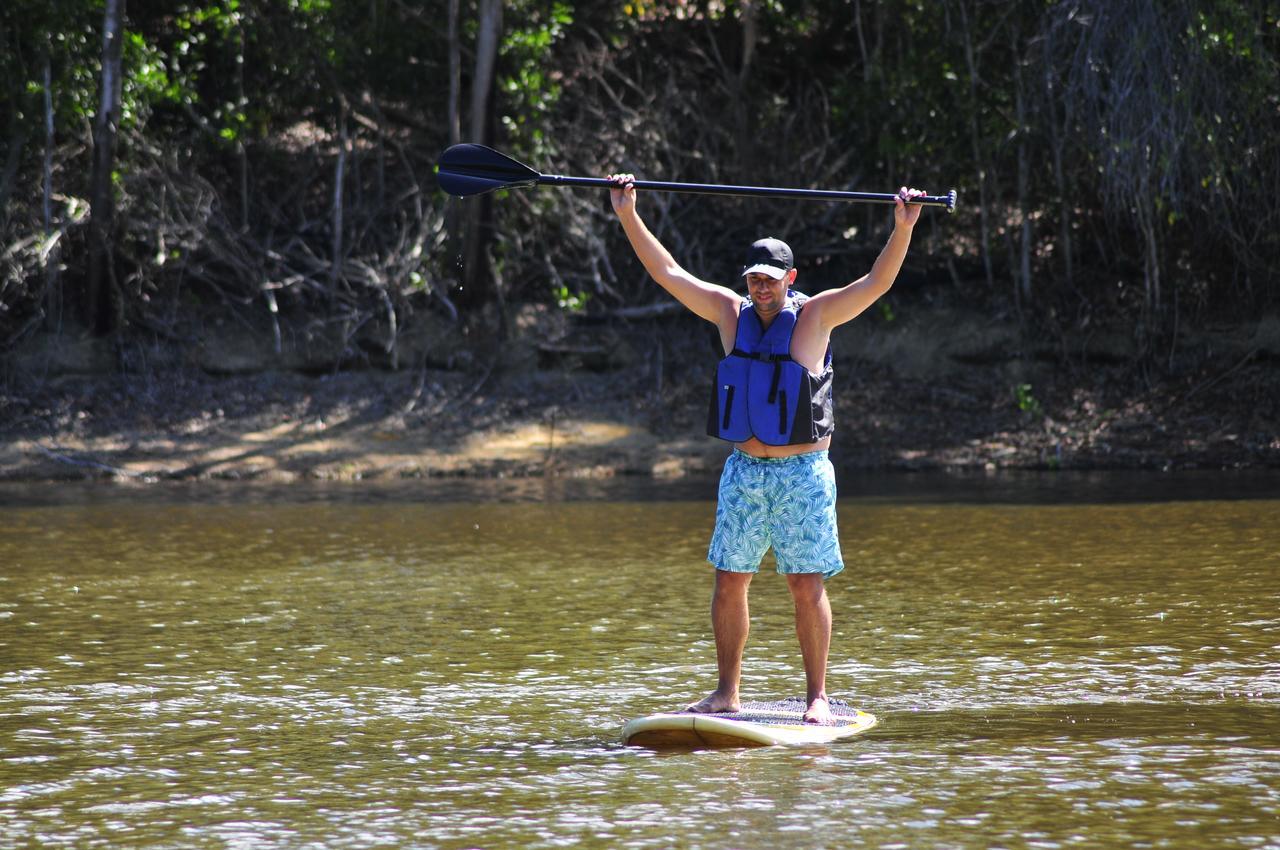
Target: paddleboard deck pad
x,y
756,724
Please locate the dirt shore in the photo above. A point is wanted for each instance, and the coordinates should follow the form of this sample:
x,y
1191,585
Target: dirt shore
x,y
943,391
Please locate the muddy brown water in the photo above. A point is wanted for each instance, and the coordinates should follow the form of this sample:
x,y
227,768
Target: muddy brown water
x,y
443,666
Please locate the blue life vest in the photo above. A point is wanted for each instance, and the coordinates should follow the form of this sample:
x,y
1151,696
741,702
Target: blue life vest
x,y
761,392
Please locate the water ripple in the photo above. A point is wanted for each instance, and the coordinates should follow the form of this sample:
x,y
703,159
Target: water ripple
x,y
363,675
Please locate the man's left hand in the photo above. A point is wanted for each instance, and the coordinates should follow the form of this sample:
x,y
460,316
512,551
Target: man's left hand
x,y
904,214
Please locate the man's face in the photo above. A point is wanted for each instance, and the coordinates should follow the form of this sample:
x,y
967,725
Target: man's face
x,y
767,294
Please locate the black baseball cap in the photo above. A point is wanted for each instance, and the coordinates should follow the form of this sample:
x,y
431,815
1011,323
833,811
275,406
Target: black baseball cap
x,y
769,256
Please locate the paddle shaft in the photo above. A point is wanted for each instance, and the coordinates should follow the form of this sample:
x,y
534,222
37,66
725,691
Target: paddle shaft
x,y
471,169
945,201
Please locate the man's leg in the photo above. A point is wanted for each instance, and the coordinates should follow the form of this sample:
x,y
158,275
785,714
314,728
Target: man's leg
x,y
730,621
813,628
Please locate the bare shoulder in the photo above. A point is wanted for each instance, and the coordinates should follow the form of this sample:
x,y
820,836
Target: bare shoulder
x,y
722,302
833,307
726,320
709,301
818,304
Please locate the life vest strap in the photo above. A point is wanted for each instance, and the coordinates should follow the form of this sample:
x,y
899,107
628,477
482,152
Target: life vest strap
x,y
773,384
752,355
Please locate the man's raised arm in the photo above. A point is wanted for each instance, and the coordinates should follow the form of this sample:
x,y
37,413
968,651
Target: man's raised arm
x,y
837,306
717,304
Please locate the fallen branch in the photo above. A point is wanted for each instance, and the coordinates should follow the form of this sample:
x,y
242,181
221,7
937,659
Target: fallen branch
x,y
92,464
1211,382
648,311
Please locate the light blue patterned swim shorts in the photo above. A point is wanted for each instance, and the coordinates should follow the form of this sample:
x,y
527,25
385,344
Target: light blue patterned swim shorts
x,y
788,503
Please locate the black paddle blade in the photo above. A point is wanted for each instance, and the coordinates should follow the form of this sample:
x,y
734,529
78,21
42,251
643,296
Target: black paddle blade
x,y
471,169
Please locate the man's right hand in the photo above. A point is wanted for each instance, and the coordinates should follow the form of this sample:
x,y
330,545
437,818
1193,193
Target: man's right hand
x,y
717,304
624,196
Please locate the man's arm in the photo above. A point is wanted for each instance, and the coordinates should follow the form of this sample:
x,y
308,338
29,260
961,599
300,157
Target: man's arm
x,y
836,306
717,304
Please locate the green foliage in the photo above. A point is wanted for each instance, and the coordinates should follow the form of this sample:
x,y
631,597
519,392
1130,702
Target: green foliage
x,y
1027,402
146,80
572,302
529,82
1137,140
68,33
230,65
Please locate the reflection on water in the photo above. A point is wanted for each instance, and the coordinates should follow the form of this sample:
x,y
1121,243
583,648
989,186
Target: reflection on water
x,y
455,673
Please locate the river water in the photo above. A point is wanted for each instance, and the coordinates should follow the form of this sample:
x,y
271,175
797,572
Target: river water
x,y
444,666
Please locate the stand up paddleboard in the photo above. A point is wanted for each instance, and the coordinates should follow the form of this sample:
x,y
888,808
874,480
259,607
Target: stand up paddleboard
x,y
756,724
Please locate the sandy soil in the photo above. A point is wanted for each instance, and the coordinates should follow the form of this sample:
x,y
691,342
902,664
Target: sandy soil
x,y
942,391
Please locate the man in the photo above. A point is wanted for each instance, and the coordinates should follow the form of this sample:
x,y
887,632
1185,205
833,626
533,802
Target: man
x,y
772,399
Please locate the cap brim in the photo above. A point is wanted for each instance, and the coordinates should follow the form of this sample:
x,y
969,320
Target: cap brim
x,y
764,268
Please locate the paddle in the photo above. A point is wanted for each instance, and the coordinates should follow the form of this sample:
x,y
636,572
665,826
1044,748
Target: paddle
x,y
470,169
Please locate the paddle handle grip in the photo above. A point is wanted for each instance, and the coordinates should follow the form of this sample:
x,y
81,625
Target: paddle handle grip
x,y
947,201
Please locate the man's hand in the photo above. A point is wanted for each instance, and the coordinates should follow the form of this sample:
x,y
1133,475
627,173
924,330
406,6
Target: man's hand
x,y
624,196
904,214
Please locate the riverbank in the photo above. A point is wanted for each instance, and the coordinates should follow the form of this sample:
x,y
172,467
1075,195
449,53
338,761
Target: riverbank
x,y
943,391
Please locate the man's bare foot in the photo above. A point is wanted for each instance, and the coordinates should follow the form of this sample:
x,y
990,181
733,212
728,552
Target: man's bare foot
x,y
716,703
819,712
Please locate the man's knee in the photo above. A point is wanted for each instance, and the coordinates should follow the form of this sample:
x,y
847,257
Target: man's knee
x,y
731,583
807,587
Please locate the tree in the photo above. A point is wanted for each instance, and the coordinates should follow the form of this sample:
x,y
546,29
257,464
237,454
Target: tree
x,y
98,311
477,216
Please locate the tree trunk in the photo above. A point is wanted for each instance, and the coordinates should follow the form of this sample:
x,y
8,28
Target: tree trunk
x,y
46,207
97,306
242,155
862,41
742,101
976,145
455,76
453,218
339,181
490,28
1057,141
52,292
1024,180
478,282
